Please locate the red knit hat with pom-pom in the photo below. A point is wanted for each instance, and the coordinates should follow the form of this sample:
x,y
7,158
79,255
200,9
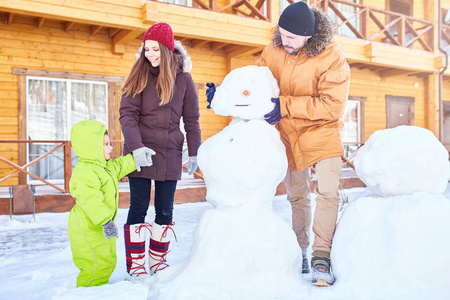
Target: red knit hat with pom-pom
x,y
162,33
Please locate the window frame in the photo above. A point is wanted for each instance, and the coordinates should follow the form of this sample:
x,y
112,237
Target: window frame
x,y
361,119
114,84
69,96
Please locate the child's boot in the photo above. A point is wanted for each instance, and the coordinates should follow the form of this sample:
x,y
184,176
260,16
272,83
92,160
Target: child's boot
x,y
159,247
135,248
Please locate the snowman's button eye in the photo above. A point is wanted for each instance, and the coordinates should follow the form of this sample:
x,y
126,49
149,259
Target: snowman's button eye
x,y
246,93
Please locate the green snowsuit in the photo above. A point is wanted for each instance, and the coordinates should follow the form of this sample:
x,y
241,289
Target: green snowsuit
x,y
94,186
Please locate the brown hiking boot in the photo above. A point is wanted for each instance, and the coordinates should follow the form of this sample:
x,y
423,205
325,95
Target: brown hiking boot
x,y
321,271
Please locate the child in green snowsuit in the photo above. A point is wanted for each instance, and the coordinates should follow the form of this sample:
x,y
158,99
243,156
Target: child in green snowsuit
x,y
94,186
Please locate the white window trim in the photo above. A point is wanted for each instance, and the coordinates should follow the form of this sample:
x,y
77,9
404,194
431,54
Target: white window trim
x,y
68,110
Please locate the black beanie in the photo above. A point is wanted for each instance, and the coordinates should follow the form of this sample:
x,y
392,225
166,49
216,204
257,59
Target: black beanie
x,y
298,19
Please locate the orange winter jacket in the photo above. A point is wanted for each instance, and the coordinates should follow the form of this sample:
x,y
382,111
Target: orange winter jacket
x,y
313,95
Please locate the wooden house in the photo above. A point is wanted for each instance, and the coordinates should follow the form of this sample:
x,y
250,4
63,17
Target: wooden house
x,y
63,61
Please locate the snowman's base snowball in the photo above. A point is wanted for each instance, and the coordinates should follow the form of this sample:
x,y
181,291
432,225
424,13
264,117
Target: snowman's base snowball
x,y
239,251
386,246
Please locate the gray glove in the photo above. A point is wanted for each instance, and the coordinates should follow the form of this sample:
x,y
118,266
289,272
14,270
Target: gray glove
x,y
192,164
110,230
143,157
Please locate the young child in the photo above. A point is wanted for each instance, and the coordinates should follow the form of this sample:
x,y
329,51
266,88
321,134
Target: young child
x,y
94,186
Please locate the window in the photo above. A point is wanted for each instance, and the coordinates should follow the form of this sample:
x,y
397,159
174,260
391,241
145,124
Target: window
x,y
404,7
353,131
286,3
348,11
446,125
445,30
178,2
283,5
54,105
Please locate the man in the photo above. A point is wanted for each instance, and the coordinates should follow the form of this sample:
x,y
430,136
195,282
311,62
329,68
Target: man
x,y
314,78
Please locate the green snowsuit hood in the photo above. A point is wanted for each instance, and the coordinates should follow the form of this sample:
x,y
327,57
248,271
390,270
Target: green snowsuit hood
x,y
95,188
87,141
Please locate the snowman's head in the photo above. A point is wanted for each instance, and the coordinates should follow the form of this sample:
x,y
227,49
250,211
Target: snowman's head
x,y
246,93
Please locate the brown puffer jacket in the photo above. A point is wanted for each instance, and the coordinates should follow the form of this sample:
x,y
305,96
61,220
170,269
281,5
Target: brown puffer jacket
x,y
145,123
313,94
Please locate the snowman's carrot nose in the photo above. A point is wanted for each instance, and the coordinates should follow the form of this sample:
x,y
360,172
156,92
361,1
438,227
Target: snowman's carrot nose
x,y
246,93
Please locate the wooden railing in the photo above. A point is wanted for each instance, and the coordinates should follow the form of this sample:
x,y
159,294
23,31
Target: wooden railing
x,y
23,169
247,9
66,145
348,160
352,19
391,27
259,10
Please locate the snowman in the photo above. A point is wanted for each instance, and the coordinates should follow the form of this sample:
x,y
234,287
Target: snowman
x,y
392,241
240,242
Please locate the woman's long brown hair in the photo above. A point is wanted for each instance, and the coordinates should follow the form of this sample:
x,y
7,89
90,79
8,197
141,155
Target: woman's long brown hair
x,y
165,82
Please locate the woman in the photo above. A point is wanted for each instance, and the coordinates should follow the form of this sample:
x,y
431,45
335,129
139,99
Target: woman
x,y
157,93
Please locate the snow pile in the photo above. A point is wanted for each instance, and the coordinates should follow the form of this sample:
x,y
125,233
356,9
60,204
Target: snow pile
x,y
396,247
403,160
241,253
241,243
36,262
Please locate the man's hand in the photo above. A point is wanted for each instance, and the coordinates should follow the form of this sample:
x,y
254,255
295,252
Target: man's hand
x,y
275,115
143,157
210,93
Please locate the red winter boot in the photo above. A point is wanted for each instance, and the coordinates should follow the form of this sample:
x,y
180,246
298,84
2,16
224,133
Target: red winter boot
x,y
159,246
135,248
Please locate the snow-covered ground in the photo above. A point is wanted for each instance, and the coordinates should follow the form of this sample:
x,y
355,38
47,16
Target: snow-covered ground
x,y
36,262
391,242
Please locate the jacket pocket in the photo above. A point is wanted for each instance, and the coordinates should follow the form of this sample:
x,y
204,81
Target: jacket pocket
x,y
337,76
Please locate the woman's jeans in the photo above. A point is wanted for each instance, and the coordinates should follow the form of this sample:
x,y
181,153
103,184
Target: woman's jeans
x,y
140,199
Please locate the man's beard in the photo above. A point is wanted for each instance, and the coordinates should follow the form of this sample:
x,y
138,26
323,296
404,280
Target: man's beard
x,y
292,51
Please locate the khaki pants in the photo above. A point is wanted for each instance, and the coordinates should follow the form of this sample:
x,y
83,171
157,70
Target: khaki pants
x,y
327,172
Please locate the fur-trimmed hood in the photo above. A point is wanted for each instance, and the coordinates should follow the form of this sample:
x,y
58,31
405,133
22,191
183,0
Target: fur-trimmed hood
x,y
318,42
184,61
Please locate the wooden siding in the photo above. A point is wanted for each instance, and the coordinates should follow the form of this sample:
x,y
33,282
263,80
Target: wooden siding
x,y
49,48
115,13
26,44
196,23
366,83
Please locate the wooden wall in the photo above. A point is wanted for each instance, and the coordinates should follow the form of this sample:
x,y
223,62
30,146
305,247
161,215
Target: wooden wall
x,y
365,83
23,45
